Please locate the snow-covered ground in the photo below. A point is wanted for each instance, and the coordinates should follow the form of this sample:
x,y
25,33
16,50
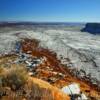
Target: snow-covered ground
x,y
83,49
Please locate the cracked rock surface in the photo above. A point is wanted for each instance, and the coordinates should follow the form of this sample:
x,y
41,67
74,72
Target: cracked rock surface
x,y
81,48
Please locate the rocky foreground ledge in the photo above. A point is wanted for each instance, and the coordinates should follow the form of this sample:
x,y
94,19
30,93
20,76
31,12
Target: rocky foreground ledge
x,y
62,56
34,69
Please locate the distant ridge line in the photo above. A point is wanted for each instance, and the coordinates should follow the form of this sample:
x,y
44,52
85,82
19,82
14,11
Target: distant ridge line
x,y
4,24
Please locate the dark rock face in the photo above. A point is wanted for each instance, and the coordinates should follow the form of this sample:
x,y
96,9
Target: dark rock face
x,y
93,28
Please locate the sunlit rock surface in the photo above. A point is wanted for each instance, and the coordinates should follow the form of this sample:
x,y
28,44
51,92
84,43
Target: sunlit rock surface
x,y
44,91
82,49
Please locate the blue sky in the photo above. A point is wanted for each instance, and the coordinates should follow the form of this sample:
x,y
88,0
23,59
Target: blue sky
x,y
50,10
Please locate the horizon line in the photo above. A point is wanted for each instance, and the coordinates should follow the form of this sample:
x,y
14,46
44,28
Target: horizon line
x,y
23,21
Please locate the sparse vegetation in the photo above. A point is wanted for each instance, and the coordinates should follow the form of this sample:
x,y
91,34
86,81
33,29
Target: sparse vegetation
x,y
15,77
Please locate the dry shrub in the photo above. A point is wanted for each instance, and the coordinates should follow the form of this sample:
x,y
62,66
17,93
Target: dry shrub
x,y
1,70
15,77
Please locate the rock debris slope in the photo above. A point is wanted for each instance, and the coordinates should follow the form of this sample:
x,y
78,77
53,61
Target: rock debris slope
x,y
43,64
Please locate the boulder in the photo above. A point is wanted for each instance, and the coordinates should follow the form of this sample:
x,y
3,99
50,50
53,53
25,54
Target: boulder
x,y
74,91
71,89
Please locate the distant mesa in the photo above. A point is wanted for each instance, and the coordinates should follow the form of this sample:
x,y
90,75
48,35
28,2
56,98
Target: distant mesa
x,y
93,28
